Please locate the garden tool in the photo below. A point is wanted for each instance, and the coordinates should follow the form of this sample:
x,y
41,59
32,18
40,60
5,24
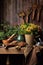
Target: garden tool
x,y
7,41
28,13
22,15
34,10
38,14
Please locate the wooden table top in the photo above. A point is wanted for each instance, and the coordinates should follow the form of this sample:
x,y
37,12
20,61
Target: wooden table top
x,y
13,50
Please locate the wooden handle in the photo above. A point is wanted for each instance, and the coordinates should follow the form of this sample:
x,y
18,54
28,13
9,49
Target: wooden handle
x,y
7,41
34,10
10,37
38,15
33,14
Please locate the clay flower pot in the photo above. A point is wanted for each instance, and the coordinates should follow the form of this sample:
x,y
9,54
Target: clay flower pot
x,y
29,39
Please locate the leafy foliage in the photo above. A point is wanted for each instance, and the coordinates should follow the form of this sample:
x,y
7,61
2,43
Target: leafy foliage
x,y
11,30
2,36
29,28
8,29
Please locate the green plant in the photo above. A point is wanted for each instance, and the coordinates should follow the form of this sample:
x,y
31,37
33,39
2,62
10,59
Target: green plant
x,y
4,24
29,28
21,29
11,30
2,36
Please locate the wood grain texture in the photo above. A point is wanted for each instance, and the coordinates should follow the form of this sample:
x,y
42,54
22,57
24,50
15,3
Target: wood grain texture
x,y
13,50
10,9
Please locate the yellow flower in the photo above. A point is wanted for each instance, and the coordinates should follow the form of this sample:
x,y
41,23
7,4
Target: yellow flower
x,y
31,24
31,28
35,27
23,26
28,30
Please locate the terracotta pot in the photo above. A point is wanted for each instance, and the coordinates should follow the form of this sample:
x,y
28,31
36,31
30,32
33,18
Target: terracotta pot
x,y
29,39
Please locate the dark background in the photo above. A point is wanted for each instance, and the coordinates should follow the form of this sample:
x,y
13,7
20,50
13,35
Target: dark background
x,y
9,10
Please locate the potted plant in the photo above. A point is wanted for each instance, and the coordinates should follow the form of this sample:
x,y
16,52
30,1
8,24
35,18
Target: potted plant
x,y
29,30
20,34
